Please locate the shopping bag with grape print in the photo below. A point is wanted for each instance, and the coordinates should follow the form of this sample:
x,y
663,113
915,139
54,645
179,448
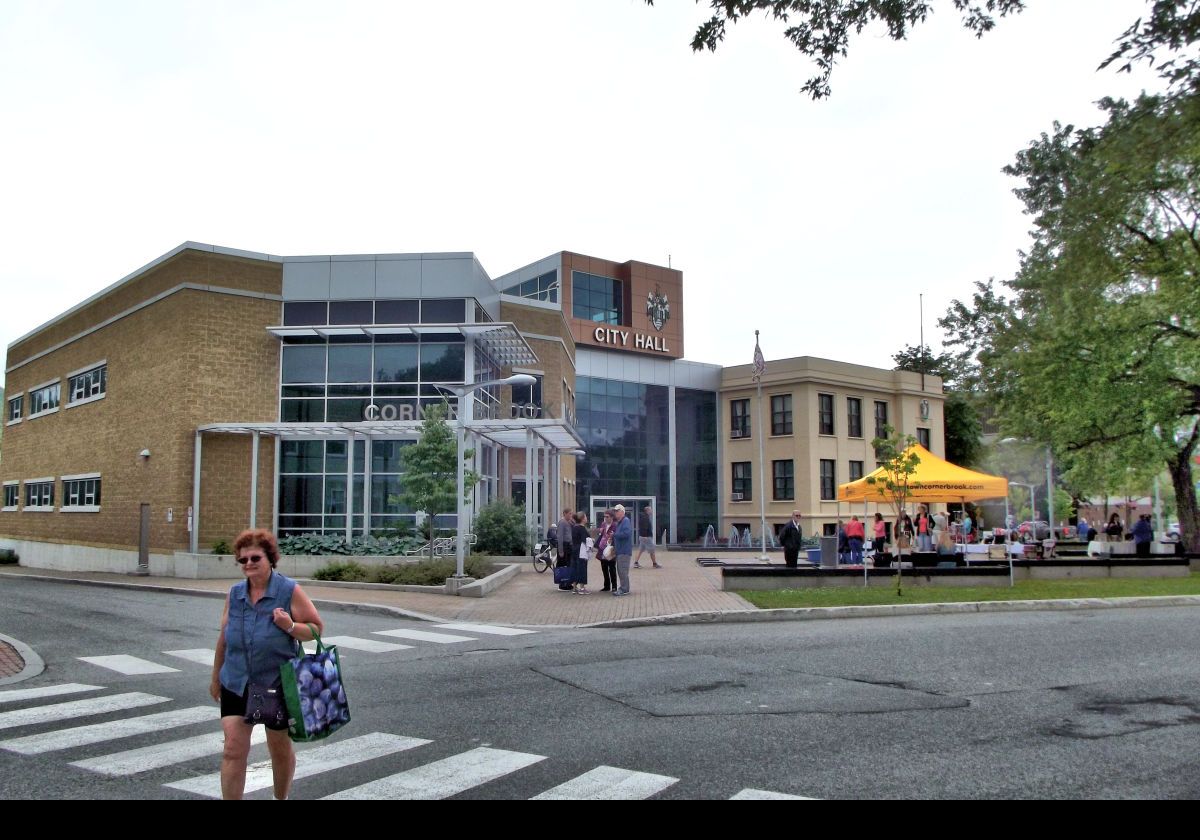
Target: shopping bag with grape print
x,y
315,692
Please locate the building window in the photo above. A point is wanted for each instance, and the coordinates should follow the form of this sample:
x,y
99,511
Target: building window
x,y
595,298
781,414
856,470
923,437
881,419
44,400
87,386
12,495
741,482
39,495
828,481
784,475
81,492
739,418
544,288
825,414
854,417
527,399
12,413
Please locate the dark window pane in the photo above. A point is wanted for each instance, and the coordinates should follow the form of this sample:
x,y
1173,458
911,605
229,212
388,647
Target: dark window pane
x,y
302,391
445,311
302,411
303,363
350,363
304,313
347,411
395,390
349,390
386,456
300,494
396,362
301,456
351,312
397,311
442,362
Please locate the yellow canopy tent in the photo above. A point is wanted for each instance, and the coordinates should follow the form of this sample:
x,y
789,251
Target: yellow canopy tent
x,y
935,480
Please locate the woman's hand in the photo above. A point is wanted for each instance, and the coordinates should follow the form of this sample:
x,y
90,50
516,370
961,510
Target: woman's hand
x,y
282,620
214,688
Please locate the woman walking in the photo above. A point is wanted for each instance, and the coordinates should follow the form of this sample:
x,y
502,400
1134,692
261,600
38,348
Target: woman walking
x,y
603,540
266,614
581,546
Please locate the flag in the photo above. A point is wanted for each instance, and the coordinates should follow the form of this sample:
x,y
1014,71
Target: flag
x,y
760,364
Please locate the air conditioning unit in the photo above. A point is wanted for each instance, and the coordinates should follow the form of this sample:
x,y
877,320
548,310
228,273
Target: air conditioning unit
x,y
736,433
736,497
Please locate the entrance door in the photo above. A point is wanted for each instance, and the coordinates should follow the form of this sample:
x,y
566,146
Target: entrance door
x,y
633,509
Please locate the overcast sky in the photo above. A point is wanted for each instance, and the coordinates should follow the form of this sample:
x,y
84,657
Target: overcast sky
x,y
519,129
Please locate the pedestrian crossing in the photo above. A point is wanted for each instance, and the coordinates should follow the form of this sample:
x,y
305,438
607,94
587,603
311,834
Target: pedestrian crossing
x,y
432,774
131,666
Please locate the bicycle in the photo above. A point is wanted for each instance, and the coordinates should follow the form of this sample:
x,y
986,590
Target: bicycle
x,y
544,557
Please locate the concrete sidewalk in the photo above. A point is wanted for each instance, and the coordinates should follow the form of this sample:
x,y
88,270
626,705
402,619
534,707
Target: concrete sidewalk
x,y
681,586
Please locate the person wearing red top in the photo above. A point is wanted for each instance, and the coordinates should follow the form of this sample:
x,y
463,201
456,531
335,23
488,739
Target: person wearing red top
x,y
854,536
924,530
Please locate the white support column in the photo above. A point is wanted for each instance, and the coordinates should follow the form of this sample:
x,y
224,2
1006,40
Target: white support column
x,y
367,455
254,440
505,476
196,461
672,459
275,488
350,487
530,456
548,514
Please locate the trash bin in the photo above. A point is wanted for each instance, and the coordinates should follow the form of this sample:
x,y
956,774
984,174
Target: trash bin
x,y
829,552
814,556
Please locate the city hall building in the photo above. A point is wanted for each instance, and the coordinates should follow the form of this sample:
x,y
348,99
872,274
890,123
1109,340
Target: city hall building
x,y
215,389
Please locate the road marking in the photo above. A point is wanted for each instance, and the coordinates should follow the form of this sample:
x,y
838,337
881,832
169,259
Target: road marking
x,y
140,760
486,629
444,778
309,762
17,694
78,708
78,736
754,793
202,656
425,636
610,783
369,645
129,665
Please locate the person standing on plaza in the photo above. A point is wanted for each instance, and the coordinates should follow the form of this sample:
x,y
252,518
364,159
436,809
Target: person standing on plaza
x,y
879,535
623,540
566,527
968,527
924,526
604,547
854,538
939,525
266,616
645,538
1114,530
581,552
1143,535
790,538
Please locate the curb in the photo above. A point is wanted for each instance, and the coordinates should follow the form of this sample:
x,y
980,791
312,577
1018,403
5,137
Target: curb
x,y
33,663
888,610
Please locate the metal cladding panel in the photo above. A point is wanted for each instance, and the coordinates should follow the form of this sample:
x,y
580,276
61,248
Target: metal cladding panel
x,y
353,280
398,278
306,280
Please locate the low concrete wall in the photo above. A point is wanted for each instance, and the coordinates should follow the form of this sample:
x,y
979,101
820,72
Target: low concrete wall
x,y
491,583
83,558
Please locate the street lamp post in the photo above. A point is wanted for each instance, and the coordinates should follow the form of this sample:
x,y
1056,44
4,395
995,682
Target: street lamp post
x,y
461,391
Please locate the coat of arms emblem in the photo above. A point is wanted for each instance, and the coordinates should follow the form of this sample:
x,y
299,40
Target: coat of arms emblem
x,y
658,310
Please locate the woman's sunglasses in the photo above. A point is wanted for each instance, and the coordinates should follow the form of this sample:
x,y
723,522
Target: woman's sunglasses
x,y
253,558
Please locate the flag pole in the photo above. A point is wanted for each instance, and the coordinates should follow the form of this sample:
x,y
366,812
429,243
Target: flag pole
x,y
759,368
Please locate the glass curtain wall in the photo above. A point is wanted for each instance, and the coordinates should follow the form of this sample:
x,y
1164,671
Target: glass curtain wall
x,y
696,467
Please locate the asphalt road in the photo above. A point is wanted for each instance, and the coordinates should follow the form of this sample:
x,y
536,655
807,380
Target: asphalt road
x,y
1020,705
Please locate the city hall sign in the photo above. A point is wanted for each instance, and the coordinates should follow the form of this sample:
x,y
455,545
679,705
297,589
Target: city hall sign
x,y
620,338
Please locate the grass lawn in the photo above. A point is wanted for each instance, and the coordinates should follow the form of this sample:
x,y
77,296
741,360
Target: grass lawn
x,y
1026,590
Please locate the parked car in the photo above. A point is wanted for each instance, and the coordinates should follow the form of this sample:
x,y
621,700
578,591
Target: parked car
x,y
1037,530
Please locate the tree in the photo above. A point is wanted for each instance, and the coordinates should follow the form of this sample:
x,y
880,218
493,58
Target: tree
x,y
821,29
1098,352
899,462
430,468
500,529
960,413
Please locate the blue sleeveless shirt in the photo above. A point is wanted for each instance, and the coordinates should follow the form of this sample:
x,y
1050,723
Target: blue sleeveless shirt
x,y
254,646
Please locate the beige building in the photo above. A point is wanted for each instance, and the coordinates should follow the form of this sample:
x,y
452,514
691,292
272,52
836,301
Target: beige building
x,y
815,424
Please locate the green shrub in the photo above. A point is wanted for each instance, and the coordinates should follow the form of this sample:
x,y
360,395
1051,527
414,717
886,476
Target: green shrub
x,y
350,571
325,544
221,547
7,555
500,529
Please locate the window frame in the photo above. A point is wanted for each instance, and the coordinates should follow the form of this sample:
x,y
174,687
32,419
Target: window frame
x,y
928,435
745,481
742,427
832,478
82,479
784,425
19,399
879,426
26,485
825,418
788,480
102,368
851,417
46,386
15,487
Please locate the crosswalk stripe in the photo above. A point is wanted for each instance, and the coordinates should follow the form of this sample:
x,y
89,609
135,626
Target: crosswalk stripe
x,y
131,762
128,665
369,645
610,783
202,656
426,636
444,778
78,708
309,762
486,629
78,736
754,793
17,694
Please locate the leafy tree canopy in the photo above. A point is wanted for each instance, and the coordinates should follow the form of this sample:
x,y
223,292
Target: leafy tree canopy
x,y
821,29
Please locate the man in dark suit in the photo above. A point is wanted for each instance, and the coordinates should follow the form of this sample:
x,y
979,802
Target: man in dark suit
x,y
790,539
